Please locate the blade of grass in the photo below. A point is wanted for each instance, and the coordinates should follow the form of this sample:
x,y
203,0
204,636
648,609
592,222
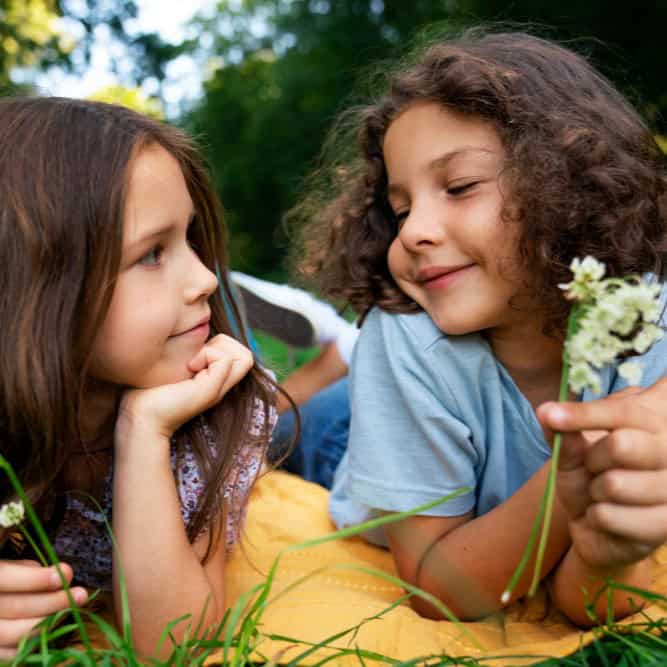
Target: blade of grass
x,y
234,617
376,523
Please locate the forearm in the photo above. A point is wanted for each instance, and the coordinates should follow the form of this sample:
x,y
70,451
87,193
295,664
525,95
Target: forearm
x,y
162,573
576,585
470,567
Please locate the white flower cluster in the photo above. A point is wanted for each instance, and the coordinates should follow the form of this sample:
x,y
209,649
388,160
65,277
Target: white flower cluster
x,y
618,316
11,514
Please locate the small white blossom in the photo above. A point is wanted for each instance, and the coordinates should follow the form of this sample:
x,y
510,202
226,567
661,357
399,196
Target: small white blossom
x,y
587,269
631,371
11,514
582,376
646,337
587,276
613,310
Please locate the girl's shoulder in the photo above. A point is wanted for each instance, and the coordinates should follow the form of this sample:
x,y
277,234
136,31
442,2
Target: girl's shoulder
x,y
418,334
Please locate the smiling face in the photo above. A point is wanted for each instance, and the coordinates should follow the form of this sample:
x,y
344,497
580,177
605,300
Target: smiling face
x,y
452,254
158,317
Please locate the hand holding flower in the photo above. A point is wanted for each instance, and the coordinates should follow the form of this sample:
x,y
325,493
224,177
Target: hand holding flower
x,y
615,487
609,318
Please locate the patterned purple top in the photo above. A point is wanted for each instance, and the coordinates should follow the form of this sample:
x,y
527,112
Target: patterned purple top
x,y
82,538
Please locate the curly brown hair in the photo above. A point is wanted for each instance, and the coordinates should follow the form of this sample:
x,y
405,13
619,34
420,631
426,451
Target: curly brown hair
x,y
584,173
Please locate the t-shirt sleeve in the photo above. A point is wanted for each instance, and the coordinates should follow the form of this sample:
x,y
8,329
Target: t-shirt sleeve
x,y
408,443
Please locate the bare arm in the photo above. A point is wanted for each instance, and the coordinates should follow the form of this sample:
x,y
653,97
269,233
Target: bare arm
x,y
164,577
467,562
163,573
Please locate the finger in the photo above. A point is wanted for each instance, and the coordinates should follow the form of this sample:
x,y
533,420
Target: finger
x,y
629,449
16,577
217,348
7,654
603,549
573,450
629,487
573,479
647,525
210,383
239,369
29,563
29,605
12,631
637,410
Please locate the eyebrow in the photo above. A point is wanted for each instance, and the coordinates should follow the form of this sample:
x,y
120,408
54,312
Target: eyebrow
x,y
442,161
157,232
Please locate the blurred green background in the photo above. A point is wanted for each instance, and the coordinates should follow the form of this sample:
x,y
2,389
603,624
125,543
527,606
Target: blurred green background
x,y
277,72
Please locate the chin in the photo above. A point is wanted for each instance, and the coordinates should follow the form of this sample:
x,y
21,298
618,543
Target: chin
x,y
164,376
454,328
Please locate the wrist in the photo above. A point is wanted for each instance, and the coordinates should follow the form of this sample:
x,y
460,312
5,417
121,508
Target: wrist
x,y
577,584
138,439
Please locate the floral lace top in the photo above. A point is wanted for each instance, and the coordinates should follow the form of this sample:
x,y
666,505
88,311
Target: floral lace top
x,y
82,538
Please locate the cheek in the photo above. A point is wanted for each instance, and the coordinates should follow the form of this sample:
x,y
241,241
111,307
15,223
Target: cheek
x,y
396,260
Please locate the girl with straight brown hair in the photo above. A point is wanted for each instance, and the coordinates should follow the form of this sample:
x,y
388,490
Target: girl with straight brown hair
x,y
122,390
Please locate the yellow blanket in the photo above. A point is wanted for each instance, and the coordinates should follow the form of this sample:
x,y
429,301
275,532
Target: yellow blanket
x,y
284,510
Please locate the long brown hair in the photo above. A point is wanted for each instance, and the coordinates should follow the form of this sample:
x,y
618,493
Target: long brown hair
x,y
64,168
584,175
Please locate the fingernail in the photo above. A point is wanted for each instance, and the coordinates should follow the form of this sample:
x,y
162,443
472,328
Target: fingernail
x,y
80,595
557,414
55,578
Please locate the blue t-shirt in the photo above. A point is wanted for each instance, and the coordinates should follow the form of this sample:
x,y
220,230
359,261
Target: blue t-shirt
x,y
432,414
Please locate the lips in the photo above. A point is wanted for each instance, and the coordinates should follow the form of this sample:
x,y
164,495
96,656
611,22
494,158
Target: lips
x,y
433,274
200,325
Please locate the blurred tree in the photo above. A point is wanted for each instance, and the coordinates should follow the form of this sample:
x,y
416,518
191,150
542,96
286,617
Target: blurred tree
x,y
133,98
29,37
37,34
283,68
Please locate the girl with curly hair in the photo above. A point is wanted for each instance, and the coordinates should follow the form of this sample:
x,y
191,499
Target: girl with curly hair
x,y
124,395
484,168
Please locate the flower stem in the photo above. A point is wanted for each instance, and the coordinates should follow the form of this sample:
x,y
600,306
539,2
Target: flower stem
x,y
35,548
550,491
545,511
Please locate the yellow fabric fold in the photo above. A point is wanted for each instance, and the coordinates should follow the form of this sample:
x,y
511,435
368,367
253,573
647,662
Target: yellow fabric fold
x,y
285,510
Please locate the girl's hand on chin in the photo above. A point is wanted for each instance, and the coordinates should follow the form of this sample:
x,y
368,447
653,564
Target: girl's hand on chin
x,y
217,367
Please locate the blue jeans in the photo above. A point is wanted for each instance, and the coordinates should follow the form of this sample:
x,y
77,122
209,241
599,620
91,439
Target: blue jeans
x,y
325,424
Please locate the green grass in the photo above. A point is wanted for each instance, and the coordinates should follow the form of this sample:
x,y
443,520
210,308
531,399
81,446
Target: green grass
x,y
281,358
64,638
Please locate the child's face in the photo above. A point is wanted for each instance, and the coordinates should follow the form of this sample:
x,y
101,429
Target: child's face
x,y
453,255
158,317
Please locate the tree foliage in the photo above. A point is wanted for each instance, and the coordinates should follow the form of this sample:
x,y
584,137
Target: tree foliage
x,y
286,67
38,34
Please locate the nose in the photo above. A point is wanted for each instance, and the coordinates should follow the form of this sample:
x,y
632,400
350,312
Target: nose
x,y
423,228
201,281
